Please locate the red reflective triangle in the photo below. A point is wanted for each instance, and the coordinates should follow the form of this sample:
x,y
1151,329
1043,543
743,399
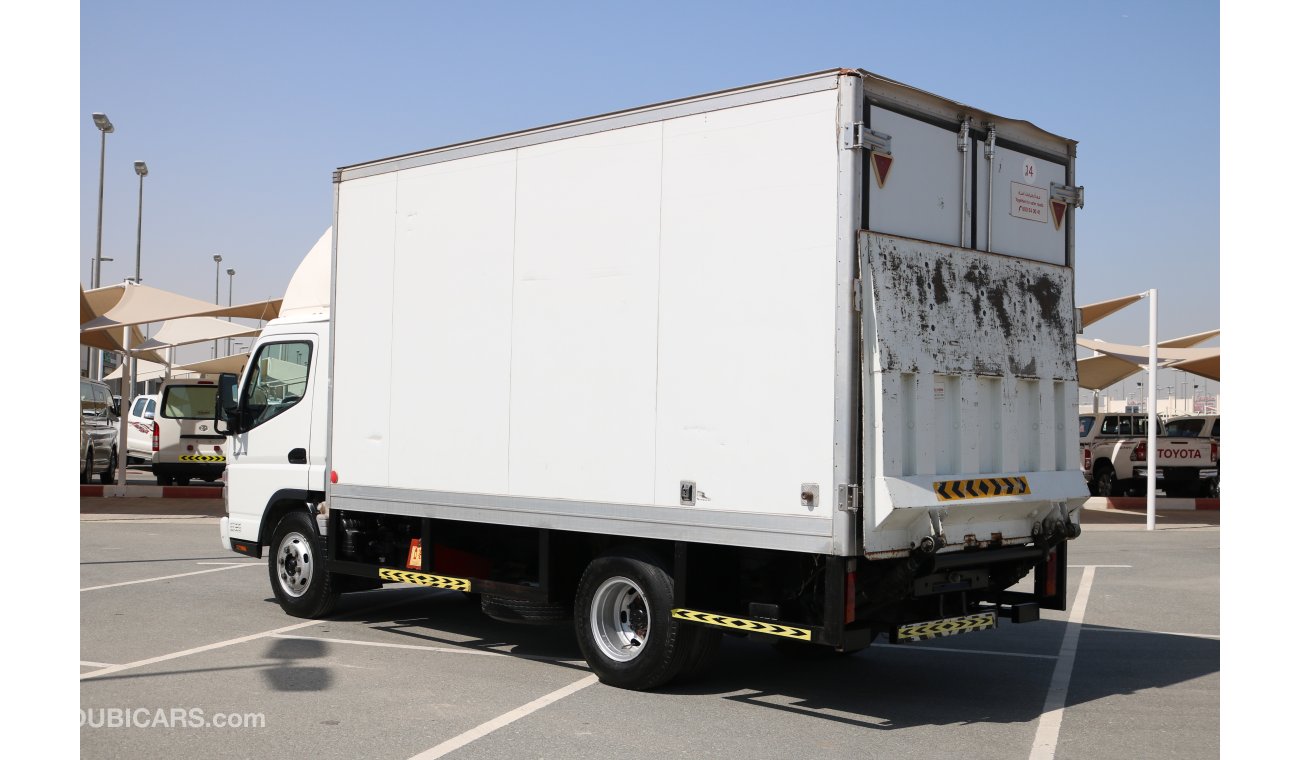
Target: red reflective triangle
x,y
1058,213
880,166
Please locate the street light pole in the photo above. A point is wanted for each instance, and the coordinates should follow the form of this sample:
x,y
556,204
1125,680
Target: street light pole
x,y
230,294
217,298
104,126
143,170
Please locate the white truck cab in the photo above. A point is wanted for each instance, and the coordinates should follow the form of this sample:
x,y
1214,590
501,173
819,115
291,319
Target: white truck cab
x,y
279,454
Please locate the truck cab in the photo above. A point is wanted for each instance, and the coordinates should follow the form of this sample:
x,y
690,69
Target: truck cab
x,y
276,460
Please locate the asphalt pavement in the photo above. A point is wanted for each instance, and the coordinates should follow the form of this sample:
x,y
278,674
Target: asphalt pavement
x,y
185,641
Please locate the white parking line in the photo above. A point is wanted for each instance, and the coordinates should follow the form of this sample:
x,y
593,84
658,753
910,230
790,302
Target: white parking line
x,y
169,577
447,650
1098,629
484,729
1049,723
231,642
89,664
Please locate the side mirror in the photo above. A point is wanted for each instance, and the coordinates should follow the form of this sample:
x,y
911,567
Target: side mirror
x,y
228,402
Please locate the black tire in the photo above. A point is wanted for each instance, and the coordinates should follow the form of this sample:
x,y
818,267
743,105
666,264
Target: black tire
x,y
88,466
632,591
704,649
298,570
164,480
107,476
1103,481
182,481
1210,488
509,610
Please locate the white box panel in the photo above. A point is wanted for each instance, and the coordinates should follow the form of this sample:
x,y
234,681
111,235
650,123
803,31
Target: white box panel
x,y
582,397
922,193
363,319
1040,240
451,325
747,306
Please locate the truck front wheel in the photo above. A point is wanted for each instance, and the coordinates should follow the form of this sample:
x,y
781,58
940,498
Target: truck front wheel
x,y
625,627
299,574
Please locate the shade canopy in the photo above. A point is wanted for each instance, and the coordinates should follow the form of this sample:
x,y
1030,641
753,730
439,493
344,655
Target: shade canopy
x,y
1116,361
233,363
1095,312
132,304
1102,371
1207,367
147,370
187,330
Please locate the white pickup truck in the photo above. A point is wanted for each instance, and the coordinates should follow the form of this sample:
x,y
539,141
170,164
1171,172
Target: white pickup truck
x,y
1113,451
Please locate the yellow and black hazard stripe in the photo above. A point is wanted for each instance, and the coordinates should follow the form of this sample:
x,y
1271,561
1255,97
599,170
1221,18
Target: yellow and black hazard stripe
x,y
741,624
981,488
933,629
422,579
202,458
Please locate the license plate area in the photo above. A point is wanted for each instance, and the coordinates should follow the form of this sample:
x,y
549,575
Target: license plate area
x,y
936,629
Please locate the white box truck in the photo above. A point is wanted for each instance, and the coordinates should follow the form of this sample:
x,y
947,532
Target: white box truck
x,y
794,360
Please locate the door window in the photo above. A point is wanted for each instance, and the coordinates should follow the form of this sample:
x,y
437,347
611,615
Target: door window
x,y
276,382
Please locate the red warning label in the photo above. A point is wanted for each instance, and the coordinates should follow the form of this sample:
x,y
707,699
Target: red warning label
x,y
1058,213
881,163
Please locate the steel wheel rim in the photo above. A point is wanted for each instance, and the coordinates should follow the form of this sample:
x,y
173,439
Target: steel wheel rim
x,y
620,619
294,564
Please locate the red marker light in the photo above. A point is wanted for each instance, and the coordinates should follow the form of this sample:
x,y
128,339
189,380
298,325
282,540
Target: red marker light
x,y
334,476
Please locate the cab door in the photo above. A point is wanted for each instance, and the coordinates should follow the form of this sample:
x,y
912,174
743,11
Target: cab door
x,y
273,449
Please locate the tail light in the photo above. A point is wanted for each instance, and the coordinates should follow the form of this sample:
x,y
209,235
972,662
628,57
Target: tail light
x,y
1087,460
1139,452
155,436
851,596
1049,587
1214,451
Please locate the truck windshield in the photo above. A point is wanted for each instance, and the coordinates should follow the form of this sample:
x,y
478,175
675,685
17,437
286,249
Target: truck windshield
x,y
190,402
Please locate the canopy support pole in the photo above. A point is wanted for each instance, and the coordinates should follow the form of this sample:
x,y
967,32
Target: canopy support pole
x,y
1153,453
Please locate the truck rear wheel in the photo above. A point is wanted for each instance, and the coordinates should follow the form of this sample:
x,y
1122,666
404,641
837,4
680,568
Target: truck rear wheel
x,y
625,627
299,574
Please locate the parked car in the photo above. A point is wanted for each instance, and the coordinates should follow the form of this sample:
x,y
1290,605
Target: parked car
x,y
98,432
186,446
1113,454
139,428
1194,426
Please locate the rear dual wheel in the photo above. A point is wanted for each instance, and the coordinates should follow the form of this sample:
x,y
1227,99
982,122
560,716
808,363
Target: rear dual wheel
x,y
625,628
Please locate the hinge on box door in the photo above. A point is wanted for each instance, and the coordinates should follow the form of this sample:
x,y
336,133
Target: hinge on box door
x,y
1071,194
860,136
849,497
857,294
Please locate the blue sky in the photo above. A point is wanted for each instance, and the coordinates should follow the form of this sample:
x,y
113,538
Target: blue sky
x,y
242,110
